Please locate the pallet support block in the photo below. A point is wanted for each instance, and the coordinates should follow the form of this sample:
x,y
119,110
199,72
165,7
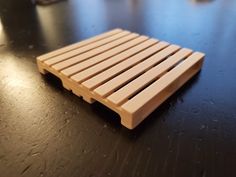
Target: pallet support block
x,y
129,73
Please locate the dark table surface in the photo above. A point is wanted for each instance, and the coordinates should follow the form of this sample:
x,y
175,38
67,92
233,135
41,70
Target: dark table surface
x,y
47,131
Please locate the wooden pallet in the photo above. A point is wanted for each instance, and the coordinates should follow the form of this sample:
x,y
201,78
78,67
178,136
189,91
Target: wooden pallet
x,y
129,73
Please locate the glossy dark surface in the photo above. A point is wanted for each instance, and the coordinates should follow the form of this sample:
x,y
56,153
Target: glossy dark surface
x,y
47,131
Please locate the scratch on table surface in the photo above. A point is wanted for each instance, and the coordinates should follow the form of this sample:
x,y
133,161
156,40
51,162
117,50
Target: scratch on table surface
x,y
26,169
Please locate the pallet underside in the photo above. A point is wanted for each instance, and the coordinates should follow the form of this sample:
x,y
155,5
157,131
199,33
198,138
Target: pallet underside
x,y
129,73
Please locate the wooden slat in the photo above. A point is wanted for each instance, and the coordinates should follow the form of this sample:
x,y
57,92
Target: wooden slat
x,y
115,70
91,53
128,75
81,76
84,49
133,87
77,45
99,58
143,101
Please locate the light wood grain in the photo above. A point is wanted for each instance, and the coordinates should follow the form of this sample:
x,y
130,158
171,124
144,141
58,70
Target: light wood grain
x,y
105,55
94,52
80,77
107,88
154,73
77,45
117,69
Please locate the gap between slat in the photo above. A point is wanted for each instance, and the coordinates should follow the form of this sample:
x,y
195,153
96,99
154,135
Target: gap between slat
x,y
88,73
108,87
71,54
77,45
137,85
67,63
73,70
140,100
106,75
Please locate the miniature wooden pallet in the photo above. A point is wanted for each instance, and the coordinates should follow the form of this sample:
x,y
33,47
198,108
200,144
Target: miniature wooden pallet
x,y
129,73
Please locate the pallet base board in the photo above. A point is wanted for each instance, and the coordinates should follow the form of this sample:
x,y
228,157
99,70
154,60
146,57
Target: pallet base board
x,y
152,71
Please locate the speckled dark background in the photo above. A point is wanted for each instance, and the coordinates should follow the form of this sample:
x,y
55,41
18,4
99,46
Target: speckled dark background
x,y
47,131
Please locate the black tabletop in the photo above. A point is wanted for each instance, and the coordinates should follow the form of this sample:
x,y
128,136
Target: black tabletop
x,y
46,130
